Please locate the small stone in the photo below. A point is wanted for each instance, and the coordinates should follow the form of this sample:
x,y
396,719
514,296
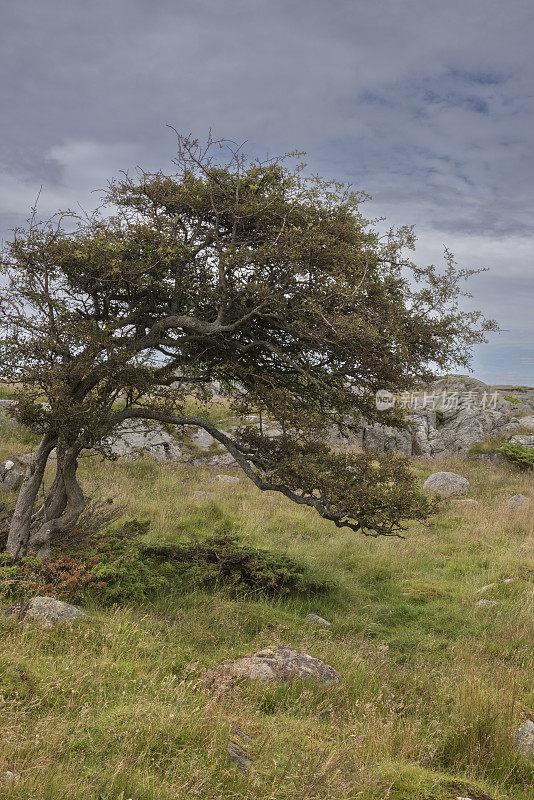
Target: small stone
x,y
316,620
45,611
524,738
238,756
199,495
227,479
485,588
518,500
484,602
446,484
11,777
468,500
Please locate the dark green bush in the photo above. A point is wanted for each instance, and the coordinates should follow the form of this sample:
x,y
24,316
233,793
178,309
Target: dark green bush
x,y
106,560
222,560
522,457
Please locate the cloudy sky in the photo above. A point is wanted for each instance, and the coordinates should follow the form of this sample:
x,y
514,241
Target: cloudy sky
x,y
425,104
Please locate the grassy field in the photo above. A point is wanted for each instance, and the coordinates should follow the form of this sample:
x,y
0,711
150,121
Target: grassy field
x,y
433,688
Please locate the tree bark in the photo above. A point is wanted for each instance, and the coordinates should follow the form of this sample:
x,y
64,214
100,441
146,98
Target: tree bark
x,y
62,507
19,529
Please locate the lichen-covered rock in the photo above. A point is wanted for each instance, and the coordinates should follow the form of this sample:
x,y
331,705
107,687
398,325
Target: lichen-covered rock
x,y
281,664
446,484
524,441
45,611
524,738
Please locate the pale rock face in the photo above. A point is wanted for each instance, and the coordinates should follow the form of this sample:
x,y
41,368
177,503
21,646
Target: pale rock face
x,y
45,611
202,439
136,437
233,479
446,484
524,738
281,664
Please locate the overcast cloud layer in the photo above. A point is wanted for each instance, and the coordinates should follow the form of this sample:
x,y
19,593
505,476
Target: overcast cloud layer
x,y
428,106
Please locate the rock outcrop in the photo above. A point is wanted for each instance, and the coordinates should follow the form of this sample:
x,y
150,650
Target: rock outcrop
x,y
444,418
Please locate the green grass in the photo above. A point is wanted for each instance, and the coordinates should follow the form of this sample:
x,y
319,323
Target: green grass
x,y
433,686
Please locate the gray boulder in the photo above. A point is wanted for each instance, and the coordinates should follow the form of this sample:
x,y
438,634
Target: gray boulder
x,y
518,500
10,477
281,664
45,611
524,738
222,460
446,484
202,439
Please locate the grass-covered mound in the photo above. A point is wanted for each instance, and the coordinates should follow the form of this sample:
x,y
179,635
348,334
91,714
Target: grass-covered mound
x,y
434,685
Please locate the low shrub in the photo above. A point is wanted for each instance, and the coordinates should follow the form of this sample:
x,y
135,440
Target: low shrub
x,y
222,560
106,560
522,457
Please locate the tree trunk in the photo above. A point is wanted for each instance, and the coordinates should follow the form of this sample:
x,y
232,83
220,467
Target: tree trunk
x,y
62,507
55,501
19,529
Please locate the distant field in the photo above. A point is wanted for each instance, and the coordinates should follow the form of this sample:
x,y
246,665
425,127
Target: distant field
x,y
433,686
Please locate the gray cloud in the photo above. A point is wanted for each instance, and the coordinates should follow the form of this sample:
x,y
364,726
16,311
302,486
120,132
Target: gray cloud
x,y
427,106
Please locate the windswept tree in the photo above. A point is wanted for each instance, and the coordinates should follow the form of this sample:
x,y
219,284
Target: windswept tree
x,y
240,273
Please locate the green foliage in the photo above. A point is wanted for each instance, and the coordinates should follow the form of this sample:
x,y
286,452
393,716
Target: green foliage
x,y
522,457
248,274
511,398
439,416
223,561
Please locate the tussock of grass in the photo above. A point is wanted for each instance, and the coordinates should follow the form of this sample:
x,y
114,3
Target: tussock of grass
x,y
433,685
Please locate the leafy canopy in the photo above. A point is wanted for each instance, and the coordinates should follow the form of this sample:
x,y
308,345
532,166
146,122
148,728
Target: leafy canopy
x,y
250,277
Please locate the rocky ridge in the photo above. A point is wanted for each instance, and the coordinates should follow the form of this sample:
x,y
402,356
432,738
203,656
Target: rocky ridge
x,y
445,418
